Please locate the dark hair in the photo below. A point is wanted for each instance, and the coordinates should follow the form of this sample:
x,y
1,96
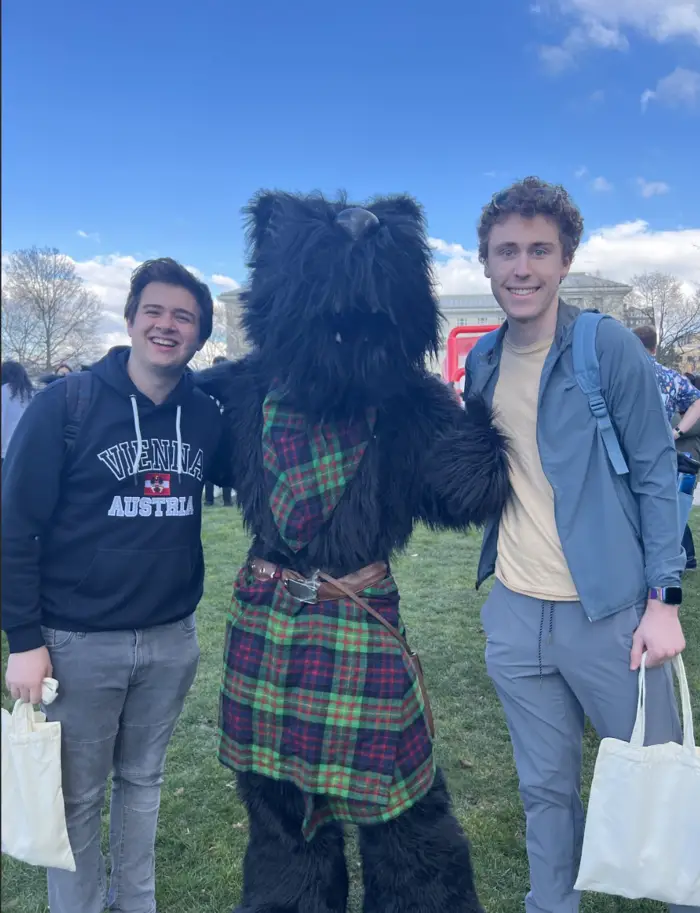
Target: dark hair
x,y
647,336
14,374
63,364
171,272
694,379
529,198
219,360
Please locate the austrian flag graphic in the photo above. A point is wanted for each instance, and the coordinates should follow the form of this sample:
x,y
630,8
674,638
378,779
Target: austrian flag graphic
x,y
157,483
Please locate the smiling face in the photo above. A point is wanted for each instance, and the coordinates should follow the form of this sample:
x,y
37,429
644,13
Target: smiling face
x,y
341,305
165,329
525,264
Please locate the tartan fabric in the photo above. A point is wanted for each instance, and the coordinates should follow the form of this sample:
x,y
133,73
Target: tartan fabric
x,y
322,696
308,466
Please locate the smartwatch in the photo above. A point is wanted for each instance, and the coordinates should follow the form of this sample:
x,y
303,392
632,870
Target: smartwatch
x,y
671,595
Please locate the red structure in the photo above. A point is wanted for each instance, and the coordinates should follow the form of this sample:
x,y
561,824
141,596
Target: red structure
x,y
459,343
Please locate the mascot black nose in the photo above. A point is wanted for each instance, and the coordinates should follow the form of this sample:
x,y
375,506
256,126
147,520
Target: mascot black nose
x,y
356,221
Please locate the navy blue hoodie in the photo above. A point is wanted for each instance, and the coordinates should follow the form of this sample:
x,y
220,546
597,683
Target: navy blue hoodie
x,y
110,540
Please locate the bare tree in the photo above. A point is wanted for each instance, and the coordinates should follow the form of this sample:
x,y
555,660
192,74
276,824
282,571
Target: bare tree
x,y
48,316
659,299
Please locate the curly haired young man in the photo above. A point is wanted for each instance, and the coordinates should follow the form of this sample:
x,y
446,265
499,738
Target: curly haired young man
x,y
587,562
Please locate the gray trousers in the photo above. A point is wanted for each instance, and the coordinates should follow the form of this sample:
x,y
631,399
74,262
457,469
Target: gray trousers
x,y
551,668
120,695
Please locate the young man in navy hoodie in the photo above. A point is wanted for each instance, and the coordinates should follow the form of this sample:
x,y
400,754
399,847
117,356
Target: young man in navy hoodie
x,y
102,571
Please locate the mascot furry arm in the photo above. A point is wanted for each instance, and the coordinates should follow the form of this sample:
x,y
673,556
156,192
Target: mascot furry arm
x,y
342,441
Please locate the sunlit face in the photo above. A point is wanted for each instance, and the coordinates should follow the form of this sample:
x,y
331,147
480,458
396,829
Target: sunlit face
x,y
165,329
526,264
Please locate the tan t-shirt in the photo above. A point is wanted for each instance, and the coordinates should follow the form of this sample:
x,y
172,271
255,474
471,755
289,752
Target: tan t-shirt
x,y
530,558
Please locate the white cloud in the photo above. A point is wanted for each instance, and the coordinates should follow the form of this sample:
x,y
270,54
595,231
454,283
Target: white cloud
x,y
108,277
90,236
555,59
196,272
617,252
601,185
621,251
679,89
581,172
605,24
225,282
652,188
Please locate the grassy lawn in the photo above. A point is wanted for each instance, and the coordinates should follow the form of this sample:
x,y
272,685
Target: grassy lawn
x,y
203,827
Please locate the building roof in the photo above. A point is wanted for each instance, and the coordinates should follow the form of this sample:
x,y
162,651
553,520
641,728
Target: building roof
x,y
586,281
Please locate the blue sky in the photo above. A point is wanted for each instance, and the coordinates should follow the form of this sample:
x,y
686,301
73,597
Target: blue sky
x,y
147,126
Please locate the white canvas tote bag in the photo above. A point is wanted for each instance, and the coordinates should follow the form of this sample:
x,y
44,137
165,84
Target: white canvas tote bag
x,y
642,836
33,813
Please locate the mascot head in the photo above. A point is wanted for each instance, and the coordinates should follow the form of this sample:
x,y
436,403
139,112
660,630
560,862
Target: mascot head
x,y
341,305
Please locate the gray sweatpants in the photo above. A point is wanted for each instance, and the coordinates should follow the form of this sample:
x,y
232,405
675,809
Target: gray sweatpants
x,y
551,668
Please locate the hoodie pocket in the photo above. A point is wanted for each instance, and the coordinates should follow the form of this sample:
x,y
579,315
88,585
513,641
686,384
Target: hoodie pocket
x,y
136,576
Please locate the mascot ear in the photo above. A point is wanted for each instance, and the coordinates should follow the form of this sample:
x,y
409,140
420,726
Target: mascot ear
x,y
400,206
258,214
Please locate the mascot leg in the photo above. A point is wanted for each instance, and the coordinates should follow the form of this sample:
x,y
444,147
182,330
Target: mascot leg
x,y
282,872
420,861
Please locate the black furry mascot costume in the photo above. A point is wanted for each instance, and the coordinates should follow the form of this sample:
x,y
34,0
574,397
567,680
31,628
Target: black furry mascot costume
x,y
342,441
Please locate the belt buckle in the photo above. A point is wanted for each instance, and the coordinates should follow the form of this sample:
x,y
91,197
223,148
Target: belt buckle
x,y
305,590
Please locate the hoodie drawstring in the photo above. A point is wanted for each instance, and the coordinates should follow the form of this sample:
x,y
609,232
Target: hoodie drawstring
x,y
179,444
139,440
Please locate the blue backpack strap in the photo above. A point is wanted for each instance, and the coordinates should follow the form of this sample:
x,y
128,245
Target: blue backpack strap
x,y
587,372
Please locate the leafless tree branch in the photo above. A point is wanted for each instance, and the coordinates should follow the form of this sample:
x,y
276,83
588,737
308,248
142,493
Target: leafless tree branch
x,y
48,316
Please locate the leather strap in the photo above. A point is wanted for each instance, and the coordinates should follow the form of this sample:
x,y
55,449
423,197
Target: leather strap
x,y
367,576
412,655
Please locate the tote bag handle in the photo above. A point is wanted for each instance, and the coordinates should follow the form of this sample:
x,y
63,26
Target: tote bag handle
x,y
637,739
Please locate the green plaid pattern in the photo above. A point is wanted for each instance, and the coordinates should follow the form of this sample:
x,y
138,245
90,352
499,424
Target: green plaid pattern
x,y
308,467
324,697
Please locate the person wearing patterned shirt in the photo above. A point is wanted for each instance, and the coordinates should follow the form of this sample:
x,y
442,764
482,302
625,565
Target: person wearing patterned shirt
x,y
677,392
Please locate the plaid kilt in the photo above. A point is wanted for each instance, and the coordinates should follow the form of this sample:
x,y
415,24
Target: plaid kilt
x,y
323,696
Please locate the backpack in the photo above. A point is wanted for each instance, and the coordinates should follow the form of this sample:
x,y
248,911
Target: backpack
x,y
79,390
587,373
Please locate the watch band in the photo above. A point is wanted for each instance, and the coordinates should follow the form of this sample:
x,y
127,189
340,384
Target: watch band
x,y
670,595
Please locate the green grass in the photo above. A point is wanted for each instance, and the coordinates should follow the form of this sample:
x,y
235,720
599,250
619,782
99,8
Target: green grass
x,y
203,827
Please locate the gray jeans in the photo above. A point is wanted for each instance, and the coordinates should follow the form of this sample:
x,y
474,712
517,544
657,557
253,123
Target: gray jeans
x,y
120,695
551,668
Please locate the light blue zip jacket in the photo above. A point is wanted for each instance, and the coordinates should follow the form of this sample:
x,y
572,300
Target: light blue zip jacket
x,y
620,534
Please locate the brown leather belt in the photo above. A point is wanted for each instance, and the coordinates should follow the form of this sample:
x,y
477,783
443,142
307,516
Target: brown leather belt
x,y
323,586
313,589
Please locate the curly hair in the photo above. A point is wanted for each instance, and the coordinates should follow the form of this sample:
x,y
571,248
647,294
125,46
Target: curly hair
x,y
529,198
171,272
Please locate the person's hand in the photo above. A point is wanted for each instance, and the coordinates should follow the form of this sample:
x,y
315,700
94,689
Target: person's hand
x,y
25,673
659,634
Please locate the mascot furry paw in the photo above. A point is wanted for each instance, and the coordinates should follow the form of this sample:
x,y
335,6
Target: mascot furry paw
x,y
342,441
